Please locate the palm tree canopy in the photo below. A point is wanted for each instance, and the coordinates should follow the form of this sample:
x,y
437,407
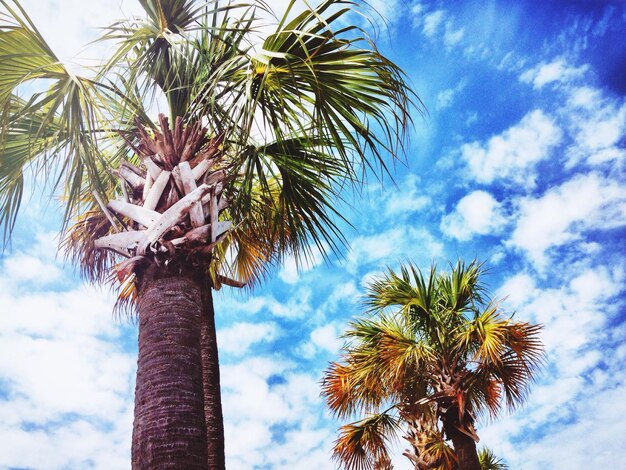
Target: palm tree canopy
x,y
430,344
296,116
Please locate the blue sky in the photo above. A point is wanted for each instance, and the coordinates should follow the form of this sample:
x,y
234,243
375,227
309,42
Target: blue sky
x,y
519,162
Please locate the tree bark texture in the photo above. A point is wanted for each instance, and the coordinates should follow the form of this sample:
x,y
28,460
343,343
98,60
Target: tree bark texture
x,y
211,383
464,445
169,430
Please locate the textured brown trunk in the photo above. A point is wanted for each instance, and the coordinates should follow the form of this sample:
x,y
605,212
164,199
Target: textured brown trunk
x,y
464,447
169,430
211,383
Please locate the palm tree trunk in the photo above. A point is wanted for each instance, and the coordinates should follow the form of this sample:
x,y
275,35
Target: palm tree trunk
x,y
464,447
169,429
211,385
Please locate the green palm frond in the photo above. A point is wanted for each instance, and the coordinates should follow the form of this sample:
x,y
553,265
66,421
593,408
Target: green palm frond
x,y
355,386
56,129
334,82
486,335
389,349
360,445
304,178
22,140
489,461
462,287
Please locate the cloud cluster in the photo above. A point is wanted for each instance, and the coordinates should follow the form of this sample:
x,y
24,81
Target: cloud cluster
x,y
478,213
512,155
271,421
66,384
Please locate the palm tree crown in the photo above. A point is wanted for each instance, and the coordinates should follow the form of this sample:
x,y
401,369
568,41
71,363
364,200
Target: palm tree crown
x,y
433,351
283,123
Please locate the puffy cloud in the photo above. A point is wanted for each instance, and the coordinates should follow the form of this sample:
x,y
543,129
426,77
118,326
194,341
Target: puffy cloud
x,y
237,338
517,290
27,268
597,125
445,98
297,306
432,21
513,154
65,382
291,269
391,245
407,198
271,418
564,213
451,36
577,396
555,71
323,339
70,28
478,213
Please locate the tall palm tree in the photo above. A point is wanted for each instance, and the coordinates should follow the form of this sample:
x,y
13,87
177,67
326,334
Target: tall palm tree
x,y
260,139
433,354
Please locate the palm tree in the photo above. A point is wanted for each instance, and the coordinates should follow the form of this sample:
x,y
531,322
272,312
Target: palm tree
x,y
261,139
434,354
489,461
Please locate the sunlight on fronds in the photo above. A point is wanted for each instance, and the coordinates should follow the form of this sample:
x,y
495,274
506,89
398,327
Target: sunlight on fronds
x,y
300,117
462,286
435,347
486,335
489,461
360,445
440,452
338,390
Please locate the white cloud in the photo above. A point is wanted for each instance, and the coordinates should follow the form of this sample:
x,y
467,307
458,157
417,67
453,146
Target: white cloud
x,y
555,71
576,401
451,36
513,154
68,29
432,21
344,292
517,290
324,338
564,213
238,338
28,268
296,306
477,213
262,396
392,245
446,97
407,198
390,10
291,269
597,125
67,383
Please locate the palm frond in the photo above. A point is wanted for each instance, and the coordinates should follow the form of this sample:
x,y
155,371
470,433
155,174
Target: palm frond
x,y
489,461
56,129
360,445
334,83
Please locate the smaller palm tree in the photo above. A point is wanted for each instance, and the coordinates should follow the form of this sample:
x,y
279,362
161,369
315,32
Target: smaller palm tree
x,y
433,355
489,461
